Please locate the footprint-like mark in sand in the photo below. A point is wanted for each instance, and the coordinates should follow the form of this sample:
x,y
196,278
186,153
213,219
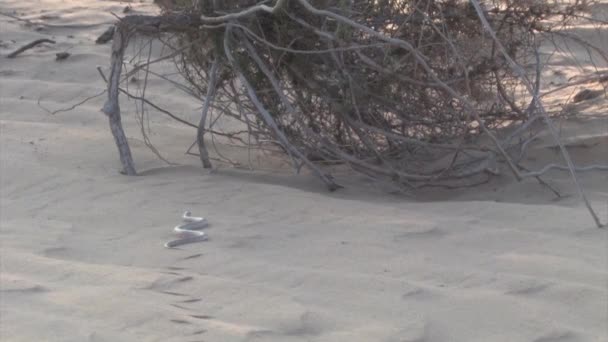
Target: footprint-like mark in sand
x,y
192,300
163,284
528,289
246,242
174,293
192,256
424,233
260,334
175,268
56,252
421,338
184,279
309,324
181,307
25,290
419,331
418,293
559,336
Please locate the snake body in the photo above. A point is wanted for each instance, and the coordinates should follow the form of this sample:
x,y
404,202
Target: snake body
x,y
190,230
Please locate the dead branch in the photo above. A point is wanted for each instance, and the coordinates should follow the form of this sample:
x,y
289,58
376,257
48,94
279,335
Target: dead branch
x,y
29,46
200,134
112,107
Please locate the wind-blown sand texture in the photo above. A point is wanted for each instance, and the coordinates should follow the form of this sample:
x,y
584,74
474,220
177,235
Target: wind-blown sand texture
x,y
82,246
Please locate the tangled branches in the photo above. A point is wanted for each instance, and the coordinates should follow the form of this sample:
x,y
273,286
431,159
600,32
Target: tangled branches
x,y
427,92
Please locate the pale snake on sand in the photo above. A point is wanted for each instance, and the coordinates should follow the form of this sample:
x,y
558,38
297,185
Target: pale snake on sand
x,y
190,231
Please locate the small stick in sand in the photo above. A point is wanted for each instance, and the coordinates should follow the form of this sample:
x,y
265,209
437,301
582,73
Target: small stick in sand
x,y
29,46
106,36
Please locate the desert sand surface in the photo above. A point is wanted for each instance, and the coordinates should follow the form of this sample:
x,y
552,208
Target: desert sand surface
x,y
81,246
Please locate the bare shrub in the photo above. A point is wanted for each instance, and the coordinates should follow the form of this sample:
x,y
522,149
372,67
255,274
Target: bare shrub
x,y
420,93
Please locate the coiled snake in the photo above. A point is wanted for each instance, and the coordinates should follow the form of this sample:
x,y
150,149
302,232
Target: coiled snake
x,y
190,231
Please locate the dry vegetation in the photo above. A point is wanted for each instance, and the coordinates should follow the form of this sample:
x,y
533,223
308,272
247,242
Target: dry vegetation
x,y
419,93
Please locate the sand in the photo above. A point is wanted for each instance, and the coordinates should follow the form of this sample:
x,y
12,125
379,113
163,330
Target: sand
x,y
82,256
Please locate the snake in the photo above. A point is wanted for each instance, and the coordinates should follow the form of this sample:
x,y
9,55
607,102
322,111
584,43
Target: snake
x,y
190,230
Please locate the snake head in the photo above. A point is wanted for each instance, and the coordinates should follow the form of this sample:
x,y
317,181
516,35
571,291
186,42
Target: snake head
x,y
187,213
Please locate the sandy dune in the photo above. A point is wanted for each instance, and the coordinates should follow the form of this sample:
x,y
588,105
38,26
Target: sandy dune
x,y
82,256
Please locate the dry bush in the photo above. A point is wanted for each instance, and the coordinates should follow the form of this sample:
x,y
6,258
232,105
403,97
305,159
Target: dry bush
x,y
420,93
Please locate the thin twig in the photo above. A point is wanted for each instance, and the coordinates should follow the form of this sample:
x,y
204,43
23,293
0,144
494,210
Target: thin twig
x,y
148,102
546,168
72,107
